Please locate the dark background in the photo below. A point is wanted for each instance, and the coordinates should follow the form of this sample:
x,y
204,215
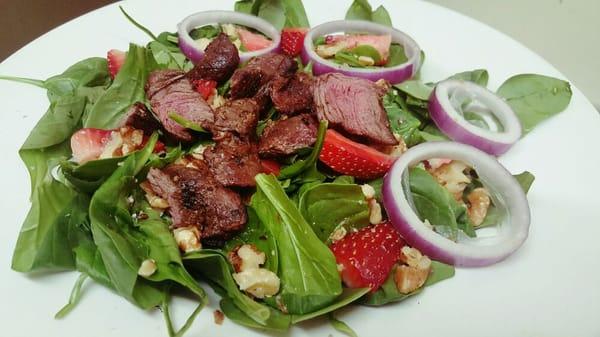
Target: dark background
x,y
21,21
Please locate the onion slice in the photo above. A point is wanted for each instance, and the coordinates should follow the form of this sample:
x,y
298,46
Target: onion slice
x,y
190,48
505,191
393,75
446,115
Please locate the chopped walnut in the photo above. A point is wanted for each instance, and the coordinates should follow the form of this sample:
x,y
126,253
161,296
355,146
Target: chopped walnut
x,y
411,275
479,202
246,257
188,239
452,177
375,215
154,200
147,268
259,282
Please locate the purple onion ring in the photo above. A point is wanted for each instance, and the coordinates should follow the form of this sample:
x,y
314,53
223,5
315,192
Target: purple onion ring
x,y
452,123
193,52
396,74
505,191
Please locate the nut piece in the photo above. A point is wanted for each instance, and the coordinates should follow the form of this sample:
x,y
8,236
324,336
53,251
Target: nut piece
x,y
479,202
188,239
366,61
338,234
375,216
259,282
218,317
147,268
246,257
413,274
368,191
154,200
452,177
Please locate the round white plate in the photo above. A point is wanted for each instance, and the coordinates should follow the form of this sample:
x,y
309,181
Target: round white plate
x,y
550,287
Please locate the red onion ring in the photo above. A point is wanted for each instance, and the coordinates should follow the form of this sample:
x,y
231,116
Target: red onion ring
x,y
190,49
394,75
454,125
469,252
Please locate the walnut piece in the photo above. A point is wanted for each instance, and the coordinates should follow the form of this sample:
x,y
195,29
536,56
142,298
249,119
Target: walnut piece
x,y
479,203
411,275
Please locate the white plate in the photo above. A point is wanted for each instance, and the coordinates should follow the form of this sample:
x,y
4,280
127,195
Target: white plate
x,y
550,287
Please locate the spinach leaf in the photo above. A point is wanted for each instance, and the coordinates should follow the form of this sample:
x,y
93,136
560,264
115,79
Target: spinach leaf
x,y
280,13
402,121
207,32
348,59
362,10
123,244
494,215
397,55
525,179
126,89
435,204
389,292
88,177
535,98
166,58
186,123
341,326
74,298
477,76
348,296
326,207
302,165
416,89
137,24
307,268
366,50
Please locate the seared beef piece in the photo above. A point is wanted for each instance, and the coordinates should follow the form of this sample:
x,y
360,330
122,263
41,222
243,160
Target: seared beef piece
x,y
354,106
139,117
197,199
292,94
259,71
233,160
286,136
170,92
220,60
239,116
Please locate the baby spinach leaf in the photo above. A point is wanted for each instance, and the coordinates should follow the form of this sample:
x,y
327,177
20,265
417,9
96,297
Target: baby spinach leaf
x,y
307,268
389,293
186,123
416,89
348,296
362,10
366,50
280,13
329,206
207,32
341,326
525,179
477,76
166,58
494,215
397,55
402,121
535,98
277,320
126,89
88,177
435,204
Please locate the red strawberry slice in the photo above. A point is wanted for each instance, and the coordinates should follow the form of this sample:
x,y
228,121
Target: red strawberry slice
x,y
115,59
253,41
351,158
270,166
87,144
292,40
205,88
367,257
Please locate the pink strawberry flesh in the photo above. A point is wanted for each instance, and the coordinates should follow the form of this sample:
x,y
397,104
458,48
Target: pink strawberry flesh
x,y
89,143
115,59
381,43
253,41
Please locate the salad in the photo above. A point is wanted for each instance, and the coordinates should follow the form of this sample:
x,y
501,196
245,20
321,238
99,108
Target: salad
x,y
294,170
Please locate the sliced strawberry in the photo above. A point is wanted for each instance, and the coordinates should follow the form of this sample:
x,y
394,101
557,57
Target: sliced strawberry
x,y
205,88
89,143
292,40
351,158
366,257
115,59
381,43
253,41
270,166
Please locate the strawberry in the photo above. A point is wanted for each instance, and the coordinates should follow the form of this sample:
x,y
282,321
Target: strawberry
x,y
367,257
348,157
253,41
115,59
292,40
270,166
89,143
205,88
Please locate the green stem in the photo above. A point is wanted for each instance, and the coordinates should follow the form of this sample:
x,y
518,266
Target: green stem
x,y
74,298
138,25
188,323
31,81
